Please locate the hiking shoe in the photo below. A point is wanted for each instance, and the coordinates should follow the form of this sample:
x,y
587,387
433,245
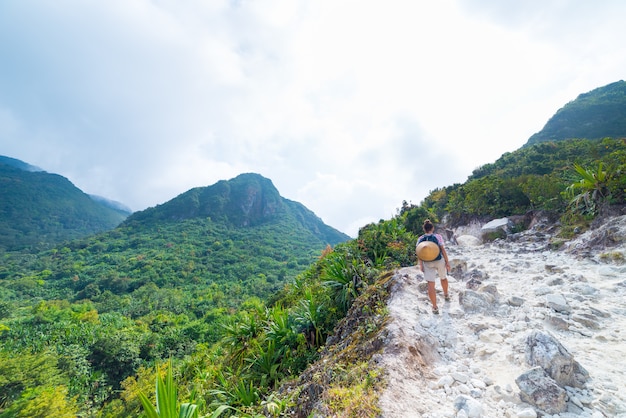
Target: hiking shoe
x,y
447,298
436,311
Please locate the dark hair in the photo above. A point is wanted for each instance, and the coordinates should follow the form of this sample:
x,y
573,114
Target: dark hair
x,y
428,226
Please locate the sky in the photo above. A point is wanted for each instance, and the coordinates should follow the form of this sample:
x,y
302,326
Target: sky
x,y
349,107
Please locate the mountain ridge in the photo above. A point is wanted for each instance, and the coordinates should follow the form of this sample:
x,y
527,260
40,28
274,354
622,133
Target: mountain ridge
x,y
246,200
40,209
596,114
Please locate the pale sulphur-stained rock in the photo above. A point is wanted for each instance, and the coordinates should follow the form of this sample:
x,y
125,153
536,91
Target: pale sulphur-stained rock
x,y
526,413
470,406
496,224
472,301
543,350
590,321
558,303
491,337
540,390
515,301
468,241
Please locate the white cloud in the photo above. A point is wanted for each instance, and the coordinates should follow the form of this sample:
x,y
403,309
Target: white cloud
x,y
349,107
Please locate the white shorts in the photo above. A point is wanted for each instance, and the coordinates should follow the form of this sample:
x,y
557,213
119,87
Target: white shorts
x,y
432,269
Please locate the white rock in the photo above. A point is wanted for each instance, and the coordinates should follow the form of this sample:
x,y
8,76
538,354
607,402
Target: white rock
x,y
464,389
527,413
584,289
515,301
558,303
472,407
487,346
491,337
607,271
468,241
495,224
460,377
485,351
576,401
445,381
477,383
440,371
461,414
544,290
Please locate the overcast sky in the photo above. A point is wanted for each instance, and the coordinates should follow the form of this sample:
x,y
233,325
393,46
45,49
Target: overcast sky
x,y
349,107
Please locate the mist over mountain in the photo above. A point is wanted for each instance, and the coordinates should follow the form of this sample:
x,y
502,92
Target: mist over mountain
x,y
113,204
13,162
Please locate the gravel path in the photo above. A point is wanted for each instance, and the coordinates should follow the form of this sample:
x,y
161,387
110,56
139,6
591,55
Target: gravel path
x,y
464,363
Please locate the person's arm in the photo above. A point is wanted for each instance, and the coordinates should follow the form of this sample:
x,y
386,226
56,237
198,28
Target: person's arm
x,y
419,261
445,257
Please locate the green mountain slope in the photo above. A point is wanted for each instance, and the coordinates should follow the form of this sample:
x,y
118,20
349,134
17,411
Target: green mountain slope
x,y
532,178
39,209
157,286
247,200
589,132
230,241
597,114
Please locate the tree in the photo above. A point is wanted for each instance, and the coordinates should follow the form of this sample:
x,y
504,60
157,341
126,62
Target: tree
x,y
42,402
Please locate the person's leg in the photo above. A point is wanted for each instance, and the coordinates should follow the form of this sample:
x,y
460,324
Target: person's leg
x,y
432,295
444,286
430,274
443,276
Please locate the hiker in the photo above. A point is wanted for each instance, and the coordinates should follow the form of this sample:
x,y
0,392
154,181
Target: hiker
x,y
438,266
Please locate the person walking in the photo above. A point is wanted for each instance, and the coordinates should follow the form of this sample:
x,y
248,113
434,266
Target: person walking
x,y
438,266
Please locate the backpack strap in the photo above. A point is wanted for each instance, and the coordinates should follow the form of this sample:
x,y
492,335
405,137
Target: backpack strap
x,y
429,237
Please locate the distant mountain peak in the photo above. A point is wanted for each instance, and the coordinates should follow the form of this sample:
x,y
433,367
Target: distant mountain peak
x,y
13,162
40,209
247,200
597,114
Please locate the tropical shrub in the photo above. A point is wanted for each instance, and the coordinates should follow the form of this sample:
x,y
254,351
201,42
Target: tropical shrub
x,y
590,191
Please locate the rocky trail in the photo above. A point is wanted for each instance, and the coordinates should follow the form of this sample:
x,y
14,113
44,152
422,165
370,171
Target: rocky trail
x,y
529,331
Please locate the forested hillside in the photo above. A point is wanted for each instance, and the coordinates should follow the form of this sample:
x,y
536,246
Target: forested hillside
x,y
160,285
39,209
537,177
597,114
